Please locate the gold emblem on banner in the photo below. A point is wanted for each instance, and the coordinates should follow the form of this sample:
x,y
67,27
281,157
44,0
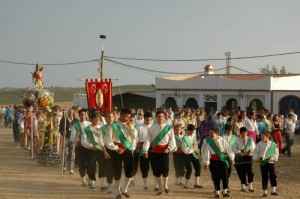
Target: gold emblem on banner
x,y
93,88
99,98
104,88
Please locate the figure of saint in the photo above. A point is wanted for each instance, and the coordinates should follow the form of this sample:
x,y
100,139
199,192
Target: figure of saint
x,y
37,76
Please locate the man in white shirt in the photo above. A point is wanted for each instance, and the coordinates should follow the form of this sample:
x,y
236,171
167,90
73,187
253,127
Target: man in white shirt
x,y
80,152
243,148
138,155
160,142
214,152
289,132
118,140
266,152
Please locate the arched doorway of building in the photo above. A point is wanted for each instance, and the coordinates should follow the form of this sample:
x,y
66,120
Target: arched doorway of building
x,y
171,102
255,105
231,105
191,103
288,102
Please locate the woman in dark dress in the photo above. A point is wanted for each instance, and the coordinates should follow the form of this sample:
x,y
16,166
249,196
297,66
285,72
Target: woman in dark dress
x,y
48,153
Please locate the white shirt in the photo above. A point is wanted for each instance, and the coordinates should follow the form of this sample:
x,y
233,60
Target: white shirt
x,y
207,151
185,148
251,125
168,139
227,138
239,145
142,132
261,150
73,136
110,137
98,137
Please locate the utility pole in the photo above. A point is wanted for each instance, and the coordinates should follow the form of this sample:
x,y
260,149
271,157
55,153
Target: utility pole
x,y
228,62
102,37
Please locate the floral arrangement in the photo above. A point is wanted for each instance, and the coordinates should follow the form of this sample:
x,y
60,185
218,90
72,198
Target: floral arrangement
x,y
38,98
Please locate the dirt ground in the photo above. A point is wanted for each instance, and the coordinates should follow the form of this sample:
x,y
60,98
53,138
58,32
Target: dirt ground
x,y
23,177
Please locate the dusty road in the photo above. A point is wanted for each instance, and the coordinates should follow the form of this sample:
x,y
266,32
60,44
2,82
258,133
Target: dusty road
x,y
23,177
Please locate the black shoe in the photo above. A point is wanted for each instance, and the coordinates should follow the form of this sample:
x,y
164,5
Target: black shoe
x,y
243,190
217,196
156,189
228,191
118,196
265,195
226,195
126,194
274,193
167,190
251,190
159,193
198,186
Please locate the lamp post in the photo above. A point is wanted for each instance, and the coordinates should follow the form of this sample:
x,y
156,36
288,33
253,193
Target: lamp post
x,y
102,37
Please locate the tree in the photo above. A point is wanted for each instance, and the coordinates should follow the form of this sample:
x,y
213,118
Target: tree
x,y
273,70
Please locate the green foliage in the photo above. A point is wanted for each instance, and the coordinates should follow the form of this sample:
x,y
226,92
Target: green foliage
x,y
273,70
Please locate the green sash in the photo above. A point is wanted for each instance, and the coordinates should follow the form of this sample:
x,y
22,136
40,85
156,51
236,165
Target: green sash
x,y
104,129
178,142
189,144
161,135
247,146
232,141
120,135
216,149
90,136
77,127
269,154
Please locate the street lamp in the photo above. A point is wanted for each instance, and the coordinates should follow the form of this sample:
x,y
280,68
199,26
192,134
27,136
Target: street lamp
x,y
102,37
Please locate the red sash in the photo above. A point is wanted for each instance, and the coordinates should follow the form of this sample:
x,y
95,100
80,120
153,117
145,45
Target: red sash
x,y
120,145
159,148
178,150
79,144
214,157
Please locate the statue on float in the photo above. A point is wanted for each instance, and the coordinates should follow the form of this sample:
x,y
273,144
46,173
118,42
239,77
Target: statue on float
x,y
37,76
38,97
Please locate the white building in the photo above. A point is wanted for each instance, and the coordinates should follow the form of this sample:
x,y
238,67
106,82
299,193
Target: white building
x,y
276,93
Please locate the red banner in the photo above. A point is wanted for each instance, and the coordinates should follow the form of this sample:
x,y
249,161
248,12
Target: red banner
x,y
99,94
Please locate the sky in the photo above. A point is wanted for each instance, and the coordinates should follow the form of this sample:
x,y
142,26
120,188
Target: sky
x,y
63,31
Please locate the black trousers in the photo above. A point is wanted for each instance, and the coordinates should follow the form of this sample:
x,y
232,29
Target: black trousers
x,y
143,162
91,163
243,167
159,164
101,164
136,159
179,160
219,172
196,165
114,166
268,171
81,158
